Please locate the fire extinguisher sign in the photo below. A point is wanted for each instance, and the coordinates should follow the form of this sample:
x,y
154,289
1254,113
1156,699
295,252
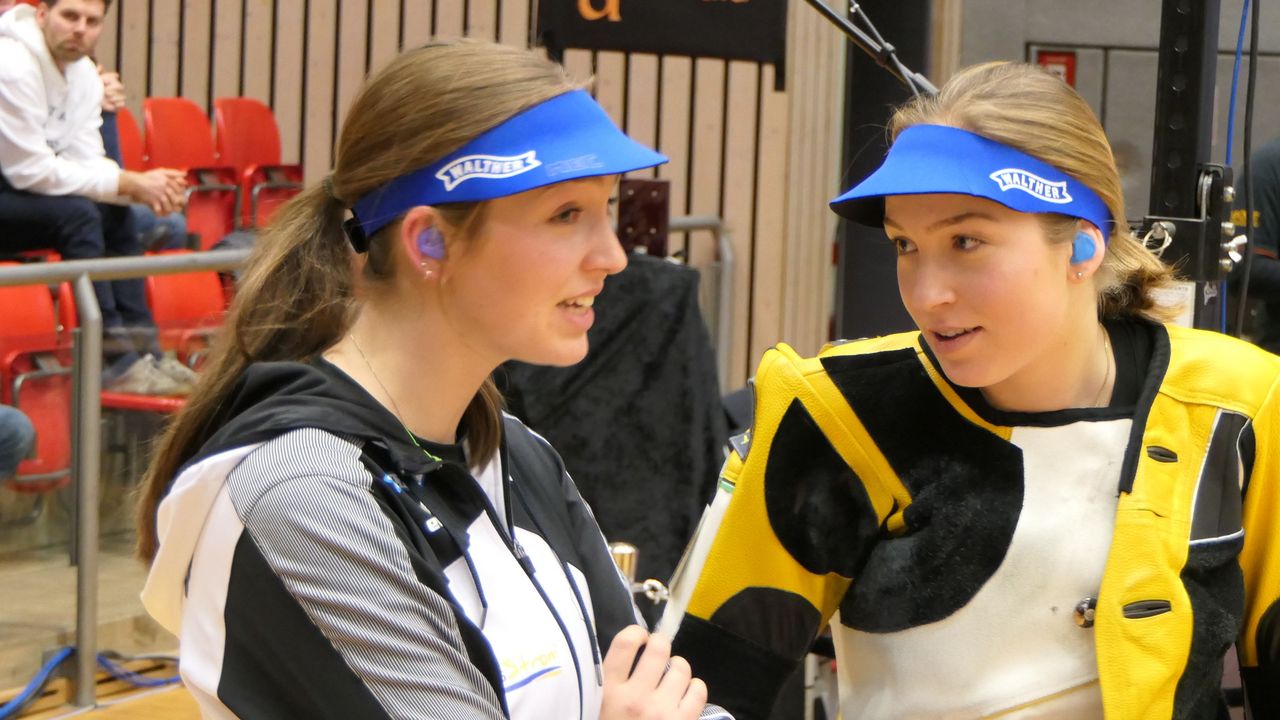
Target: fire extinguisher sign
x,y
1059,62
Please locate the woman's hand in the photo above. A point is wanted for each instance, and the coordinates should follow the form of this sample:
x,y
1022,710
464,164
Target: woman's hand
x,y
660,686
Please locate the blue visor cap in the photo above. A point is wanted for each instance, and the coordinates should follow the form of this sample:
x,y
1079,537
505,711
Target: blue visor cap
x,y
928,159
565,138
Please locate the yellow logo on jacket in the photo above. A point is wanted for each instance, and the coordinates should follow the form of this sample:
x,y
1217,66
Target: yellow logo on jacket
x,y
520,671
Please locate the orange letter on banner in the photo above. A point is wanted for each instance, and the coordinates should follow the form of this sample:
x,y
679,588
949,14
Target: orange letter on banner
x,y
612,9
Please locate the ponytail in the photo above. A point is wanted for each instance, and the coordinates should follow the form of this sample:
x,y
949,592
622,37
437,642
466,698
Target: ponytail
x,y
294,300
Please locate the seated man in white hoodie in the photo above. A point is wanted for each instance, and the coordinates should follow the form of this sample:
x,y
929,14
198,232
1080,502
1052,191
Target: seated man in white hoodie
x,y
58,190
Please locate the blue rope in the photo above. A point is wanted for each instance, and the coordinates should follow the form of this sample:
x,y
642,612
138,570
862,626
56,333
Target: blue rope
x,y
1231,127
15,706
120,672
1235,80
41,679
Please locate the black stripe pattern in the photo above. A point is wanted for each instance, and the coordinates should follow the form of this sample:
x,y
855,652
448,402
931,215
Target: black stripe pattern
x,y
305,499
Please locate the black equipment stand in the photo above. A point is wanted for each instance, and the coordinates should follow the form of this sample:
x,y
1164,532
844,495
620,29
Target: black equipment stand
x,y
1191,198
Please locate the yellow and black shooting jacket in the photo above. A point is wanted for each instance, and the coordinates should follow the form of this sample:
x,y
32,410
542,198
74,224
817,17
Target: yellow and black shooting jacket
x,y
867,446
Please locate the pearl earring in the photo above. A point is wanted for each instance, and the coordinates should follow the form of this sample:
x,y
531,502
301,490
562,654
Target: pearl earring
x,y
1079,275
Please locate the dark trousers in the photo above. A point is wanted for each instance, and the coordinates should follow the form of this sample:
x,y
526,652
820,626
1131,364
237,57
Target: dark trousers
x,y
78,228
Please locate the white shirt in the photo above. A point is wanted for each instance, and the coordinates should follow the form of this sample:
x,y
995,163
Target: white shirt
x,y
50,120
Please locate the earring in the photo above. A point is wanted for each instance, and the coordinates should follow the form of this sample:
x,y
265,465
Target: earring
x,y
426,271
1079,275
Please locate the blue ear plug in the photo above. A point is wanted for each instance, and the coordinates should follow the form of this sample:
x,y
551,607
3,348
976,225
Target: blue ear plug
x,y
431,243
1082,248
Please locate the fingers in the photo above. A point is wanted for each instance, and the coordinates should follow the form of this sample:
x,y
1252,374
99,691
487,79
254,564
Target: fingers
x,y
676,680
170,177
681,691
694,700
659,686
173,202
622,653
653,662
112,90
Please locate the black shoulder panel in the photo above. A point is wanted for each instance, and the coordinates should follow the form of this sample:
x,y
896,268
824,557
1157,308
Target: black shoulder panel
x,y
817,506
966,485
272,647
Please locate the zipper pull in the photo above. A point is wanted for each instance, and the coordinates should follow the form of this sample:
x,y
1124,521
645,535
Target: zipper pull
x,y
523,558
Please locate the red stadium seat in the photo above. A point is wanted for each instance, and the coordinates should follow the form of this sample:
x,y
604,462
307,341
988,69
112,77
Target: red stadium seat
x,y
130,141
35,369
178,136
187,308
246,138
68,321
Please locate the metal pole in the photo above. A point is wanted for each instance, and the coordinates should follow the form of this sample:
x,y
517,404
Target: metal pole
x,y
1181,144
77,354
120,268
724,313
725,331
86,461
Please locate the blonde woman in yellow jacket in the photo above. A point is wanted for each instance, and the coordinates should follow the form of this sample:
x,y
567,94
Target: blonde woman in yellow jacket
x,y
1046,502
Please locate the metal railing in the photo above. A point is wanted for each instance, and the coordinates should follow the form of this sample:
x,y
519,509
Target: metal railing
x,y
86,401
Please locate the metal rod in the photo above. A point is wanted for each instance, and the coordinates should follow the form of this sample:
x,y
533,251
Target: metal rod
x,y
86,478
725,331
724,313
77,351
888,60
120,268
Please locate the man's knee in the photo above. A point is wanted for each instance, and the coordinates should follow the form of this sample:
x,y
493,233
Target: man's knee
x,y
79,229
120,231
16,439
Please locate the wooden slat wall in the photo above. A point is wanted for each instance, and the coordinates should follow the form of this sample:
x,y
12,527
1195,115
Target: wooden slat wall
x,y
764,161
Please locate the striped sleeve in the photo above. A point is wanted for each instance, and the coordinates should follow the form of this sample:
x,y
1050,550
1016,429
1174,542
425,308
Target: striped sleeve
x,y
306,505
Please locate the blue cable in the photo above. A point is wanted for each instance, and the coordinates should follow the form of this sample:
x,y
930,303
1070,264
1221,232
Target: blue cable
x,y
14,706
1231,126
1235,80
125,674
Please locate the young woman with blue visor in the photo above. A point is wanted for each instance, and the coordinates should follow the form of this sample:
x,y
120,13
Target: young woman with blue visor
x,y
342,523
1046,502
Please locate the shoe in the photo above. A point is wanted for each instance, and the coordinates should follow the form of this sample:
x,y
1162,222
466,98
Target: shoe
x,y
177,371
144,377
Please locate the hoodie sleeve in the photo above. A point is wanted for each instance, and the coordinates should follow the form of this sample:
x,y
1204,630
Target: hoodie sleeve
x,y
26,158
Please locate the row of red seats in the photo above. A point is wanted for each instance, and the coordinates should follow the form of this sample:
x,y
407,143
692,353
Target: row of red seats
x,y
234,175
35,360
